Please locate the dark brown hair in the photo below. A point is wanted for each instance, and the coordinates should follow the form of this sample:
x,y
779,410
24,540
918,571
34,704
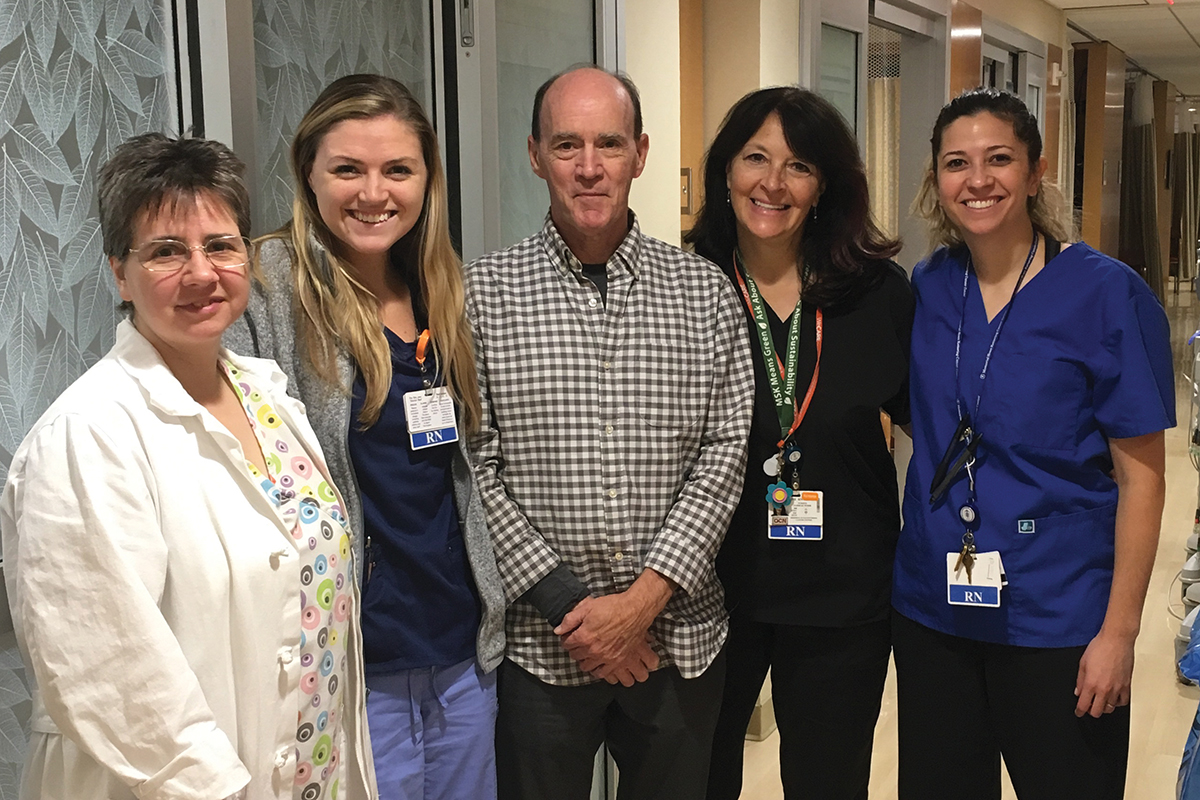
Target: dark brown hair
x,y
842,248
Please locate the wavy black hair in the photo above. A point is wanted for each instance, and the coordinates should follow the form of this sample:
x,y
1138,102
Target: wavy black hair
x,y
841,249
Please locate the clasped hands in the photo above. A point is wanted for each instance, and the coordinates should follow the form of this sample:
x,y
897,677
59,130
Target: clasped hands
x,y
609,636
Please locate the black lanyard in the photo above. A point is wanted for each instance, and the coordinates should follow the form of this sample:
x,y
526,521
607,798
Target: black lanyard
x,y
965,433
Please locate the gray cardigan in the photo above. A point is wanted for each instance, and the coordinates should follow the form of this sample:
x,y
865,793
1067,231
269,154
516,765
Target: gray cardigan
x,y
268,330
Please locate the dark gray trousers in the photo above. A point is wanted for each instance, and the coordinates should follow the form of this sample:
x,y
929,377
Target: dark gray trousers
x,y
659,733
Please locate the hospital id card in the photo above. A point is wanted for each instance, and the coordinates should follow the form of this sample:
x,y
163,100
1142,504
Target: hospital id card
x,y
430,417
800,520
979,588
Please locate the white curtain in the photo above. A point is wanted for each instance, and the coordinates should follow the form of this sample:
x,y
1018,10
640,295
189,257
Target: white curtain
x,y
883,134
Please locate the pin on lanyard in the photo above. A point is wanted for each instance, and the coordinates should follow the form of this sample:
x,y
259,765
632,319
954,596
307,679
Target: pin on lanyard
x,y
422,346
946,471
783,382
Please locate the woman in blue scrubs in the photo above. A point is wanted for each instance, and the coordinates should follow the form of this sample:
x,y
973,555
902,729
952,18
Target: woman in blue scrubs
x,y
1041,383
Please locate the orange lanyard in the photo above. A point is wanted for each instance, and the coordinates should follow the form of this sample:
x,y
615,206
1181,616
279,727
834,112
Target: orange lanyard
x,y
422,346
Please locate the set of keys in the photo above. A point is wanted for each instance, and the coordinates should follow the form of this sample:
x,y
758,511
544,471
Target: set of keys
x,y
968,514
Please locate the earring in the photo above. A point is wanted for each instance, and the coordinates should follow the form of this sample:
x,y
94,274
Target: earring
x,y
728,197
814,212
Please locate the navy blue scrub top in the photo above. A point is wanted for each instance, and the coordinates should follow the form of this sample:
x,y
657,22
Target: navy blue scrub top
x,y
420,607
1085,356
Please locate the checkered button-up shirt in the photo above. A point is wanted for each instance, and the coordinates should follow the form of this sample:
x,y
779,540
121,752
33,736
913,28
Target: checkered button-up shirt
x,y
614,437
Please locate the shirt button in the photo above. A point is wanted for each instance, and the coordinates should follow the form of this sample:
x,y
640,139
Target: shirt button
x,y
618,555
612,492
608,429
607,364
592,303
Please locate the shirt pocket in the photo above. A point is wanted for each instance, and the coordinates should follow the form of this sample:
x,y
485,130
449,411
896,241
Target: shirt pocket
x,y
670,387
1033,401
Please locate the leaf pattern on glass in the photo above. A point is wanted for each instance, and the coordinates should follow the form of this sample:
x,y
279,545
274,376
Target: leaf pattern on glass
x,y
11,22
64,88
35,197
116,13
89,110
12,737
303,45
77,77
43,155
10,783
51,377
61,300
12,427
12,689
43,26
95,307
10,205
144,59
76,202
29,268
80,27
85,253
20,352
118,76
10,93
38,91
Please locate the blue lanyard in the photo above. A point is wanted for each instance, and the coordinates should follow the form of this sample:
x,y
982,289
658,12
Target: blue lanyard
x,y
995,337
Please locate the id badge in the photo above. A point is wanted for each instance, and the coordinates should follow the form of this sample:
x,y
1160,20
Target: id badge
x,y
982,588
430,417
801,519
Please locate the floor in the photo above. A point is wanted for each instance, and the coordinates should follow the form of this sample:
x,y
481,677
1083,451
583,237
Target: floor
x,y
1162,708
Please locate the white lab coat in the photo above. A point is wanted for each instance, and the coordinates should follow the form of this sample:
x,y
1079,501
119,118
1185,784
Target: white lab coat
x,y
155,596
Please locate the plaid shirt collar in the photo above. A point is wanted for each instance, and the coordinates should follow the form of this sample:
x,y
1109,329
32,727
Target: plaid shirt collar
x,y
627,255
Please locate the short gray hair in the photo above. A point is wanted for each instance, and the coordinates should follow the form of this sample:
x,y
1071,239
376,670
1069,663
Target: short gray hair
x,y
153,171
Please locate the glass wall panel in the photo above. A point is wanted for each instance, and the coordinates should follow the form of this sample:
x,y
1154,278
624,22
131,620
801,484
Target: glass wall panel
x,y
883,126
76,80
300,46
839,71
534,40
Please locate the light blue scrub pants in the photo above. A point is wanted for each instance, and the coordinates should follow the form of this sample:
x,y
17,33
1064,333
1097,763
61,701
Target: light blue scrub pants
x,y
433,733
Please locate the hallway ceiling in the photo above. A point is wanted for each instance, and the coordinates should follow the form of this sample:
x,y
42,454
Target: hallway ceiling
x,y
1164,38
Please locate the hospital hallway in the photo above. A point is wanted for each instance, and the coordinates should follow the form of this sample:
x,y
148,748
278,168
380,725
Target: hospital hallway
x,y
1163,708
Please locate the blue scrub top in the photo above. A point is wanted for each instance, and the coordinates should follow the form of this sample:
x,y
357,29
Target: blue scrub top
x,y
420,607
1084,356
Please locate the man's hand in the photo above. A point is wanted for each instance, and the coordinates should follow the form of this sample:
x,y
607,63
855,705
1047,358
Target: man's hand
x,y
1105,672
637,669
608,635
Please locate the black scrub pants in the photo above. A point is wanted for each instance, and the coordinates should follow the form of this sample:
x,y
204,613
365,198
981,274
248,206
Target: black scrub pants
x,y
826,686
963,703
659,732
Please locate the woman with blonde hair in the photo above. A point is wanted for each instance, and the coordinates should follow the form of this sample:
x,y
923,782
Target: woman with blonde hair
x,y
1041,384
361,303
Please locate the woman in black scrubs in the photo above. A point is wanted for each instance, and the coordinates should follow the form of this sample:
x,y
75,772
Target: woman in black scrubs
x,y
807,560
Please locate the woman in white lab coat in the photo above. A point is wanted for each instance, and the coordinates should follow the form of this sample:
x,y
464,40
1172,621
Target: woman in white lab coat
x,y
177,563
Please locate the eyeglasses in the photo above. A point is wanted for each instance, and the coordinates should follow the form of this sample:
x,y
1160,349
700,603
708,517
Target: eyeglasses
x,y
170,255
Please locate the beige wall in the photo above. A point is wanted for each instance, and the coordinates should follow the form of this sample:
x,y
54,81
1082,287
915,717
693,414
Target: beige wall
x,y
652,60
779,42
731,41
1034,17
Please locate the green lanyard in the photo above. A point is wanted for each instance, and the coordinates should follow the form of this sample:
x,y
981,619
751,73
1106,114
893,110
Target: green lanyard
x,y
782,382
